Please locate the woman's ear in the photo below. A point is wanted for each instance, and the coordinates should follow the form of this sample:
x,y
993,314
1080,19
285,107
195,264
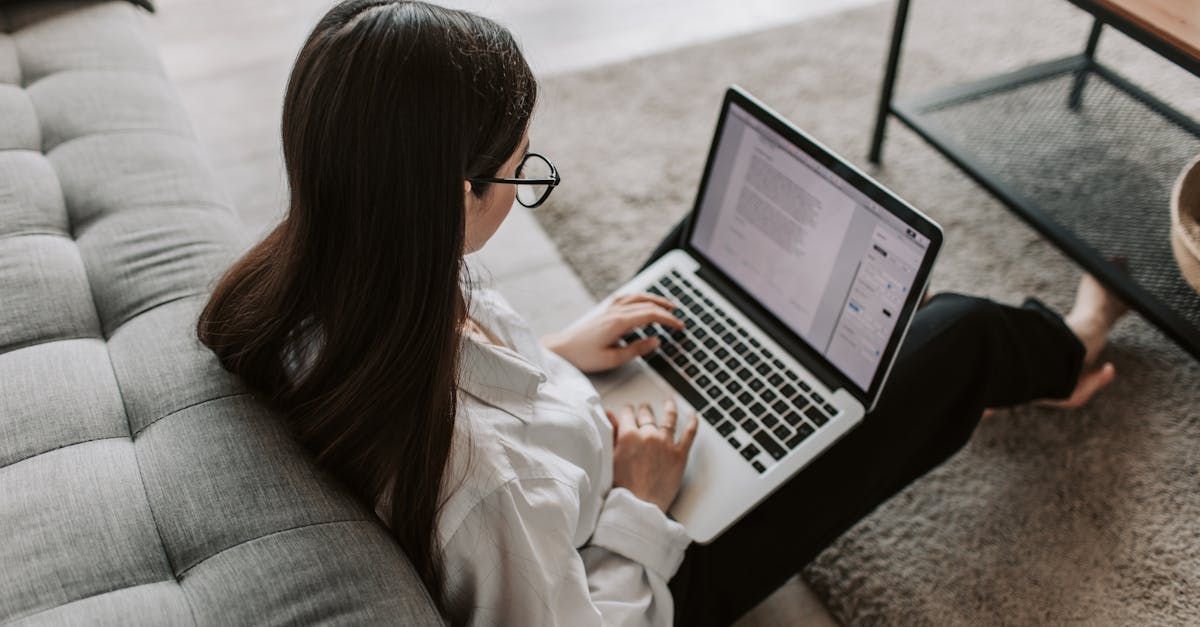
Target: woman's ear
x,y
468,197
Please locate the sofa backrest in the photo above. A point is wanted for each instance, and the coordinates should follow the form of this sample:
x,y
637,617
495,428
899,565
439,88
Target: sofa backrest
x,y
139,482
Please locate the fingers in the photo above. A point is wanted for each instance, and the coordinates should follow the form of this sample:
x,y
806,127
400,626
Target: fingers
x,y
643,297
642,315
670,415
625,419
619,355
645,416
689,433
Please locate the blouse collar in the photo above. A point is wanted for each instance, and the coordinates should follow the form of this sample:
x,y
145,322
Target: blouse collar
x,y
502,377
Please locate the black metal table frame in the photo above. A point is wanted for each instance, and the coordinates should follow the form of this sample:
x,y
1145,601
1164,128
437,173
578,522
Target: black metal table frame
x,y
908,112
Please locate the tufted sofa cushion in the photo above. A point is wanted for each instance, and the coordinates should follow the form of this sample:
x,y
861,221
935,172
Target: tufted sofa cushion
x,y
139,482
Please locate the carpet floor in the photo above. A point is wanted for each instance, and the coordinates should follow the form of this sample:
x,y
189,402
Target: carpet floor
x,y
1088,516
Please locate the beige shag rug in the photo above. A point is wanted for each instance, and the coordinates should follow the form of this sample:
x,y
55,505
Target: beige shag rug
x,y
1047,517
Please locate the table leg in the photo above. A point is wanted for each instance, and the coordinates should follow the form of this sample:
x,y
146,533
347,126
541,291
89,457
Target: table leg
x,y
1089,53
889,81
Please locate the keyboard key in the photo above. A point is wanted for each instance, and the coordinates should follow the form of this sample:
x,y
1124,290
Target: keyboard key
x,y
654,290
725,402
734,442
681,384
725,428
787,391
769,420
767,353
815,414
707,318
775,379
756,384
791,374
712,415
763,368
699,332
803,432
687,345
792,418
780,407
686,300
748,424
699,355
750,451
721,353
768,395
817,398
733,363
734,387
744,374
703,382
714,391
742,332
711,365
769,444
737,413
782,432
745,398
806,387
752,359
729,338
755,343
779,365
680,359
830,409
691,370
757,409
718,328
722,377
710,343
739,348
758,466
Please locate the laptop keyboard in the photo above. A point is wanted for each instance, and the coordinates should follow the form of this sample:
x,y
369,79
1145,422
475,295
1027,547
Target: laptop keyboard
x,y
762,408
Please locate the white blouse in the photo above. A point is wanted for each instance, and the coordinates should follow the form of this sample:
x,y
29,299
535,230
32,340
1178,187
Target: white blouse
x,y
532,531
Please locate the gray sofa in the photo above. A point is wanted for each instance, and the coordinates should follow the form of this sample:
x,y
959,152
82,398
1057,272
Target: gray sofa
x,y
140,483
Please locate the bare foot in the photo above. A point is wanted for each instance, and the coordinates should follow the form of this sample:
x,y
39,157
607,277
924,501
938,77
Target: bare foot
x,y
1090,382
1092,317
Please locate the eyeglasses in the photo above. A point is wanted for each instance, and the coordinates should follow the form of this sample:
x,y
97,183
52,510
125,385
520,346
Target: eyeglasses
x,y
536,178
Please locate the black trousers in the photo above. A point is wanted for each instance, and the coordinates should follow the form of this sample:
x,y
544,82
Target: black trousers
x,y
962,355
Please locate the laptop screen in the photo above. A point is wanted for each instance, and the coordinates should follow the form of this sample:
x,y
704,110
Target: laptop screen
x,y
829,262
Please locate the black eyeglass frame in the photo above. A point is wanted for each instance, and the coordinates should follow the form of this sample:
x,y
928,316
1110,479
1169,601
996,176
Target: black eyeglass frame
x,y
550,183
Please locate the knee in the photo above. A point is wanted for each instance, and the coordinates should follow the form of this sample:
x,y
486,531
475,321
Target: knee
x,y
964,317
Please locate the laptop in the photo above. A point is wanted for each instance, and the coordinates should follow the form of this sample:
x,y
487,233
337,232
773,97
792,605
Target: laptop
x,y
797,278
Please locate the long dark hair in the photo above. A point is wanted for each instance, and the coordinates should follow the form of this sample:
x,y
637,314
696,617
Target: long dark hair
x,y
347,315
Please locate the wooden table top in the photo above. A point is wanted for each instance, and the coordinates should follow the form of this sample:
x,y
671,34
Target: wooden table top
x,y
1176,22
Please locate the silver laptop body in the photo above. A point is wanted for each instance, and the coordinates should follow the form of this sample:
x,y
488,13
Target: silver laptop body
x,y
797,280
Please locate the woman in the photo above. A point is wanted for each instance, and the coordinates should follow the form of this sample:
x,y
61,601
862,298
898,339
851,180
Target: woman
x,y
517,497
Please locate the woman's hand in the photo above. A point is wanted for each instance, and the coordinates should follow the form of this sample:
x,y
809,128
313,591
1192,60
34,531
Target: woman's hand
x,y
647,460
592,346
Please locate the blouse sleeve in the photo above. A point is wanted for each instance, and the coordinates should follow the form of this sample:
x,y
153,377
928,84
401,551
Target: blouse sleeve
x,y
516,562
